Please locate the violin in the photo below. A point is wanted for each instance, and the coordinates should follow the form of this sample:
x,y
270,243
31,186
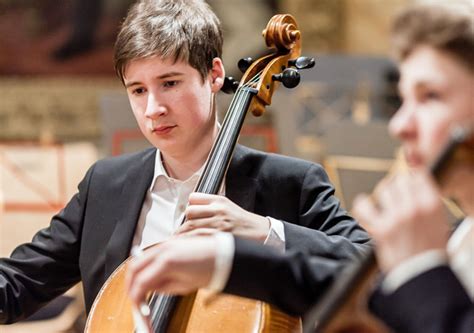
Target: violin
x,y
112,310
343,308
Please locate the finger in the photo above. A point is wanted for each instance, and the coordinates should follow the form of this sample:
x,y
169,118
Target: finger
x,y
194,211
152,277
207,223
178,287
387,196
429,195
366,212
426,184
198,198
196,232
137,264
404,194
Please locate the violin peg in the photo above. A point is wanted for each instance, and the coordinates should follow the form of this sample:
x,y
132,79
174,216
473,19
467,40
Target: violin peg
x,y
244,64
230,85
290,77
302,62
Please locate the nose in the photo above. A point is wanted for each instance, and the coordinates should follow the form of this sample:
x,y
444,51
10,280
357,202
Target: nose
x,y
154,107
403,123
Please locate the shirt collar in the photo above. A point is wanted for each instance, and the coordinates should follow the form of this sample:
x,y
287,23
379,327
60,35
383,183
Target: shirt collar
x,y
160,171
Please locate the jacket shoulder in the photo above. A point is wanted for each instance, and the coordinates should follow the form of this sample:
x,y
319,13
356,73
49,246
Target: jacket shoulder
x,y
255,161
123,162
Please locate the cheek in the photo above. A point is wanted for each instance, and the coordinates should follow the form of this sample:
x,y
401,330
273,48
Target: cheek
x,y
464,112
433,138
199,108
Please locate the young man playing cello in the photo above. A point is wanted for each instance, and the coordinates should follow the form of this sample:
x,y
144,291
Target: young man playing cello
x,y
168,55
436,48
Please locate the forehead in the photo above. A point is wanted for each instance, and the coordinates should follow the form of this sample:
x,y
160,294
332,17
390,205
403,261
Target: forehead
x,y
155,66
429,66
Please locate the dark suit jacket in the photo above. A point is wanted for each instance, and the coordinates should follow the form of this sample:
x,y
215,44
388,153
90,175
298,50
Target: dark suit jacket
x,y
292,281
92,235
433,301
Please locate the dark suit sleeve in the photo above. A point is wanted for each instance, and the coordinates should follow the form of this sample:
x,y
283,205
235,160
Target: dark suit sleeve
x,y
324,228
291,281
46,267
320,238
434,302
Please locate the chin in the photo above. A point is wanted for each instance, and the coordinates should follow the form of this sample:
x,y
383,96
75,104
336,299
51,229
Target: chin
x,y
415,163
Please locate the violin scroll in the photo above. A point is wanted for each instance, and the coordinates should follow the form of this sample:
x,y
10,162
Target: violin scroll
x,y
262,76
282,34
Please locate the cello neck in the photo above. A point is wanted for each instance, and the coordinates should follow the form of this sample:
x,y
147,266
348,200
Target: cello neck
x,y
221,153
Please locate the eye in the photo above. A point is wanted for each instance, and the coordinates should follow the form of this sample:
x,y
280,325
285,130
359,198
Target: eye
x,y
171,83
430,95
138,91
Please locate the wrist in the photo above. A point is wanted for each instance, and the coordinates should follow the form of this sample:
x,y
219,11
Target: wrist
x,y
263,228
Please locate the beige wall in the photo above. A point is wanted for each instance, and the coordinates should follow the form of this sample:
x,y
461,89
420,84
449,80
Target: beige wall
x,y
349,26
368,25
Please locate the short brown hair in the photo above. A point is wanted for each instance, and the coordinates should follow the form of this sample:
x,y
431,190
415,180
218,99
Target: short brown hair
x,y
183,30
442,27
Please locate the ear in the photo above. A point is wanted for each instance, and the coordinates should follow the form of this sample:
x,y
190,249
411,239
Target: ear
x,y
217,74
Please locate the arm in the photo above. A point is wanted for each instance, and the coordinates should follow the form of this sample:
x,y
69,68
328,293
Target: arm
x,y
436,297
303,201
323,222
419,293
46,267
292,281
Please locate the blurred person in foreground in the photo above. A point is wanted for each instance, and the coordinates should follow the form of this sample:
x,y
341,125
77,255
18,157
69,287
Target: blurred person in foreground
x,y
429,276
435,47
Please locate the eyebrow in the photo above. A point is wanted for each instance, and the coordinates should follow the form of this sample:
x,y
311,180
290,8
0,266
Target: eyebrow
x,y
161,77
421,84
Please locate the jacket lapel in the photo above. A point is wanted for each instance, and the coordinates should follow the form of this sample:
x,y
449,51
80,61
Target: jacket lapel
x,y
129,203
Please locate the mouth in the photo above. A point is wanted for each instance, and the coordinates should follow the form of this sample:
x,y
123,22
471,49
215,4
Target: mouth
x,y
413,159
164,129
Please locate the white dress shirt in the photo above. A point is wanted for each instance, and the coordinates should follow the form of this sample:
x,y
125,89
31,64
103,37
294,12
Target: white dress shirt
x,y
163,211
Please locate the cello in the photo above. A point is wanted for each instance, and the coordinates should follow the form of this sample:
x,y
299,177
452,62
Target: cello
x,y
112,310
344,307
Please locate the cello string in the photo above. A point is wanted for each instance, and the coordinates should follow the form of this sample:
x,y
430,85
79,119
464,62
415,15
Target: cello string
x,y
204,186
226,147
224,143
159,303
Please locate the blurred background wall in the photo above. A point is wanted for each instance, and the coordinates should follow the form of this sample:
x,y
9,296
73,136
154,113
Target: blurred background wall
x,y
61,106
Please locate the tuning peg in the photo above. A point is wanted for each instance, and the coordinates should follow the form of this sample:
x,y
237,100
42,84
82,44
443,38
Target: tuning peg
x,y
244,64
230,85
290,77
302,62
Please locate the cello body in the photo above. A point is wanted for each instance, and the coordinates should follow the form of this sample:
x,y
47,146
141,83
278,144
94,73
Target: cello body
x,y
200,312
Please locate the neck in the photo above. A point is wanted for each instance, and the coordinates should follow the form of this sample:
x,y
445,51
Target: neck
x,y
467,204
460,187
183,165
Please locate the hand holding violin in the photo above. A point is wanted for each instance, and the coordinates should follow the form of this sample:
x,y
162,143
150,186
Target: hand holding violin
x,y
405,217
